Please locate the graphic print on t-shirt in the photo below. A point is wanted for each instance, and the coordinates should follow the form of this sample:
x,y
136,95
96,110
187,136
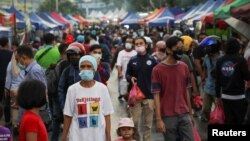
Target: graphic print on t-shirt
x,y
88,109
94,108
82,109
227,68
93,121
83,123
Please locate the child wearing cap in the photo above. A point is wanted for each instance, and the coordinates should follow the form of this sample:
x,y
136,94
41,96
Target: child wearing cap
x,y
126,129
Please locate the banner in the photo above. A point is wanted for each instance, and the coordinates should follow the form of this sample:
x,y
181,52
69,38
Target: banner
x,y
7,19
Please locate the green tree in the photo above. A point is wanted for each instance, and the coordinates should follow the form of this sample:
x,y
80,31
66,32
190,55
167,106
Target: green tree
x,y
148,5
64,7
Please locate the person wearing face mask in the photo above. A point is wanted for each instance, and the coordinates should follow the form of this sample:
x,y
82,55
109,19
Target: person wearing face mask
x,y
88,106
103,70
122,62
70,75
160,50
139,71
170,82
32,70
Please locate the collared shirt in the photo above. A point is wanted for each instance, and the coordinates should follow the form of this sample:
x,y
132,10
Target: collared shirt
x,y
11,80
35,71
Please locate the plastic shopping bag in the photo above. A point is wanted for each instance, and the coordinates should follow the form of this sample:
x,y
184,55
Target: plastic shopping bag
x,y
135,95
196,135
217,116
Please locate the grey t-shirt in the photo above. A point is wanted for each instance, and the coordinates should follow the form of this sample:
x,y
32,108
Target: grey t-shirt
x,y
187,61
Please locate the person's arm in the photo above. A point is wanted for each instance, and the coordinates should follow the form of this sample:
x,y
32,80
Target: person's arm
x,y
190,107
104,71
198,67
129,75
61,89
31,136
119,68
159,122
108,128
66,124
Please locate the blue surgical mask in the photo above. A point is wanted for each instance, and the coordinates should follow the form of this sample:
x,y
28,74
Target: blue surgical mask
x,y
21,67
87,75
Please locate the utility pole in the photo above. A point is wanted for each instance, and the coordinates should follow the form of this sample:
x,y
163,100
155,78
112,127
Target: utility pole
x,y
56,5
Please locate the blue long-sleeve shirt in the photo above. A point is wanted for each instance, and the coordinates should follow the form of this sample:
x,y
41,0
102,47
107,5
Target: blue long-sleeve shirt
x,y
141,68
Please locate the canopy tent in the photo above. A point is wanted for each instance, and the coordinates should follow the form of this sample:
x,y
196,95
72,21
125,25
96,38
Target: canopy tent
x,y
72,19
213,6
242,12
5,31
20,18
154,15
60,18
188,13
176,11
240,26
225,11
209,18
49,19
39,23
131,19
166,17
81,19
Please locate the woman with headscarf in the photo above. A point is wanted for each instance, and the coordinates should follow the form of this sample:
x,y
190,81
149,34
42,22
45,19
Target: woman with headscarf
x,y
87,107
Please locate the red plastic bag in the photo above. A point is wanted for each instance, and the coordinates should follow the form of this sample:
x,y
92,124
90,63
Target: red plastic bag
x,y
217,116
196,135
135,95
197,102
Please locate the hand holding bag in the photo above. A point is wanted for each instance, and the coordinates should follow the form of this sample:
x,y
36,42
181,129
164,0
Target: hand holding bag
x,y
217,116
135,95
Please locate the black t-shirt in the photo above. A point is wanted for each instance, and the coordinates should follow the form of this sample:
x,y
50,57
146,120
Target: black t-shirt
x,y
198,53
5,57
231,73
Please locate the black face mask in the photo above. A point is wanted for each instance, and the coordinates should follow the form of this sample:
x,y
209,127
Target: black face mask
x,y
162,50
177,54
74,61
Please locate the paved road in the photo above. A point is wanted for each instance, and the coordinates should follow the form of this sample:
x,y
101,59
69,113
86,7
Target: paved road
x,y
120,111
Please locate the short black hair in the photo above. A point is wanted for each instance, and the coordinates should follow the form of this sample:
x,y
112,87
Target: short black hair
x,y
31,94
4,41
62,48
172,41
24,50
232,46
48,38
95,46
140,37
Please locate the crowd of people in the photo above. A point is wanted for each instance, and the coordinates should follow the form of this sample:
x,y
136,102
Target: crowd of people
x,y
54,82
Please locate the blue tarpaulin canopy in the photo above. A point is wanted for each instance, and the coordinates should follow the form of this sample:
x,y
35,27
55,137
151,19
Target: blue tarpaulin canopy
x,y
39,23
131,19
20,19
51,20
165,18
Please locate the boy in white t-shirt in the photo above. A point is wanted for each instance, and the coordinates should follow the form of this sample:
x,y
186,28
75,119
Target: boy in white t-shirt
x,y
122,62
87,107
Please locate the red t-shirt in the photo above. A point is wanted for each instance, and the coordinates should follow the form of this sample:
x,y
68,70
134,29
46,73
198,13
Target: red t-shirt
x,y
172,82
32,122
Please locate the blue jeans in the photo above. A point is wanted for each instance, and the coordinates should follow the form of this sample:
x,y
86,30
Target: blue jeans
x,y
178,127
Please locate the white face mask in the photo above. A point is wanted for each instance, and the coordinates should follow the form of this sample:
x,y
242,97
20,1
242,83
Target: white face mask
x,y
97,56
140,49
128,46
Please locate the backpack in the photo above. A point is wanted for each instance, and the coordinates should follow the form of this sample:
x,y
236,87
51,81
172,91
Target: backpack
x,y
52,77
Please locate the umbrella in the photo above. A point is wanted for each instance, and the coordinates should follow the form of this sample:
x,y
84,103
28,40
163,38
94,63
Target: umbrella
x,y
240,26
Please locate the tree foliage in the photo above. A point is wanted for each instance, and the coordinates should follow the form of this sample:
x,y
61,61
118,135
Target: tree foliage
x,y
64,7
148,5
